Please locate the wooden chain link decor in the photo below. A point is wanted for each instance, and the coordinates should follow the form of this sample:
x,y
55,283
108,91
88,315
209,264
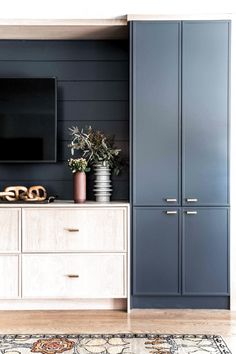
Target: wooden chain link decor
x,y
21,193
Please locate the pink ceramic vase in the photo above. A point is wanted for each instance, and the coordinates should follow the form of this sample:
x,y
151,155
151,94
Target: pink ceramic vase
x,y
79,187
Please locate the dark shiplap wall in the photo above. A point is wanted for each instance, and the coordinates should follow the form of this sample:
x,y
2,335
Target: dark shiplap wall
x,y
92,90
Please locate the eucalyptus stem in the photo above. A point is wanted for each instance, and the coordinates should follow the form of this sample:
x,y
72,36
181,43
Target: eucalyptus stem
x,y
95,147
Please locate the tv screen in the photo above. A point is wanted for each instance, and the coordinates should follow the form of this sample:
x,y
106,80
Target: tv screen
x,y
28,128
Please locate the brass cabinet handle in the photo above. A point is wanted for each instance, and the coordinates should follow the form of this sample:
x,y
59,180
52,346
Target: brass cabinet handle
x,y
191,200
72,230
72,275
193,212
171,200
171,212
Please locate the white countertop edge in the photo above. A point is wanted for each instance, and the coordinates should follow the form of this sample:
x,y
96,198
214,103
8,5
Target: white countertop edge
x,y
63,204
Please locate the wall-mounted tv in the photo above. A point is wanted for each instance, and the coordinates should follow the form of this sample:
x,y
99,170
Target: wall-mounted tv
x,y
28,120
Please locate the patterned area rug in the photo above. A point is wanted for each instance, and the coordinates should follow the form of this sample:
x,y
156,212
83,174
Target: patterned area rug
x,y
112,344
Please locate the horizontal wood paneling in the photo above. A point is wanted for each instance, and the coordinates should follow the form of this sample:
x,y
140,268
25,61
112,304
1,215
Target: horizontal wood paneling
x,y
58,171
118,128
92,90
93,110
64,50
72,70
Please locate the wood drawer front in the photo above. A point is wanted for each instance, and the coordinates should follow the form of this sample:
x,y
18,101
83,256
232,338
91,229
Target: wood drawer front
x,y
74,276
9,230
9,283
65,230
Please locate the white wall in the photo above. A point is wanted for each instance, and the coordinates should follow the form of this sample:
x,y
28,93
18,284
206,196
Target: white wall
x,y
43,9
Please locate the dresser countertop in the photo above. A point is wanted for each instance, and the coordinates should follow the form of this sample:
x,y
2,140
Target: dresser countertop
x,y
62,203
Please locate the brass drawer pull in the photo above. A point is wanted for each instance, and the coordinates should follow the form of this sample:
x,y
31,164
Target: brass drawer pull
x,y
72,275
72,230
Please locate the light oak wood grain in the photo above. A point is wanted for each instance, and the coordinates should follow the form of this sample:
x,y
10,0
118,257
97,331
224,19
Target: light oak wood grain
x,y
121,21
64,304
73,230
219,322
74,276
9,230
64,29
70,251
65,204
9,269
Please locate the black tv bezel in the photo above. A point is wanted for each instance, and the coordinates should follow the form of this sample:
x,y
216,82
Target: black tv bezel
x,y
55,120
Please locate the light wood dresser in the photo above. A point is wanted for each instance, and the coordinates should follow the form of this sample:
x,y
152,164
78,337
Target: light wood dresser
x,y
64,256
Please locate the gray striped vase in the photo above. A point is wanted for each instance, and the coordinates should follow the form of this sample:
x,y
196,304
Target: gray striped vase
x,y
102,183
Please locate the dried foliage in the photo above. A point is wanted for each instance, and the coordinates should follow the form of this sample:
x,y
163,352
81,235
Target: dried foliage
x,y
95,147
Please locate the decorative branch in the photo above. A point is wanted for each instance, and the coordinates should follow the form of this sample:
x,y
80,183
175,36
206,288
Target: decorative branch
x,y
95,147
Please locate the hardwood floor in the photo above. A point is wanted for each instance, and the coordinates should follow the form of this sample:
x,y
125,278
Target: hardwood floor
x,y
159,321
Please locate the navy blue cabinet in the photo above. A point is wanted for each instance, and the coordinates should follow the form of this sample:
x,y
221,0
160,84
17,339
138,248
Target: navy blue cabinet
x,y
205,251
156,115
205,96
156,251
179,108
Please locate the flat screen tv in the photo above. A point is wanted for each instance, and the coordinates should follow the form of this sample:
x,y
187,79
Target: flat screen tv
x,y
28,120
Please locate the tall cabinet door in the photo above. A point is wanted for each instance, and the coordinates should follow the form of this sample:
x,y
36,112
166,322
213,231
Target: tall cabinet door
x,y
205,92
156,251
205,251
155,106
